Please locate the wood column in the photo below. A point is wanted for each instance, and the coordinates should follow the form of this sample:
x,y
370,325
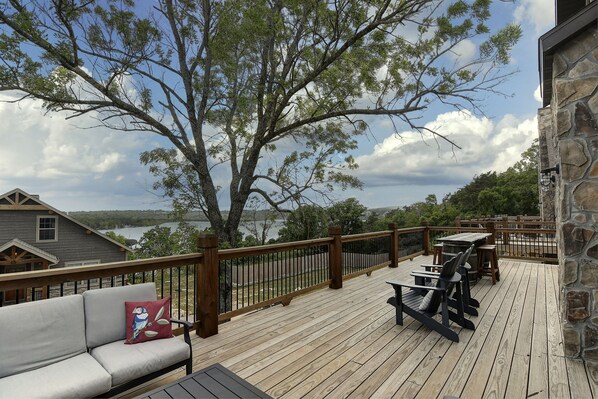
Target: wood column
x,y
426,238
394,245
491,228
505,225
206,290
335,258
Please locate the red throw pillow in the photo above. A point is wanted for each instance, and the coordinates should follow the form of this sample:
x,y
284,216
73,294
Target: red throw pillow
x,y
148,320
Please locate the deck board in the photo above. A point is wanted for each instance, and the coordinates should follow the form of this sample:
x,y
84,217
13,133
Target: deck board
x,y
496,366
538,373
345,343
517,378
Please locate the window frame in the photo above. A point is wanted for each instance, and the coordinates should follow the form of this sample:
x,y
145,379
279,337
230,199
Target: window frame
x,y
38,229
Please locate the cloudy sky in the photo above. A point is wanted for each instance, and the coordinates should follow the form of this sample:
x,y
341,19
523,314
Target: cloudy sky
x,y
73,165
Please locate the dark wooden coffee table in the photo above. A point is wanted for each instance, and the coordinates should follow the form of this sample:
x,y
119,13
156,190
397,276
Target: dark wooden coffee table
x,y
215,381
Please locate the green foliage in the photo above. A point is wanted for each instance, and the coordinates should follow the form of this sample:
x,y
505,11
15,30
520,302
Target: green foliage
x,y
272,92
513,192
415,214
312,221
177,179
161,241
305,223
348,215
466,198
117,237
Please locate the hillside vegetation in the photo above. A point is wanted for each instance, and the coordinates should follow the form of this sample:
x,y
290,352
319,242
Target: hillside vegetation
x,y
513,192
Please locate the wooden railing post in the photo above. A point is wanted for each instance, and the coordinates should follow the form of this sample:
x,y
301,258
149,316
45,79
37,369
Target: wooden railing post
x,y
426,237
206,290
335,258
491,228
505,225
394,245
457,222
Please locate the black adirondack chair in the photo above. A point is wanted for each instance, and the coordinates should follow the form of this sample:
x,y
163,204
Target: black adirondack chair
x,y
410,301
469,304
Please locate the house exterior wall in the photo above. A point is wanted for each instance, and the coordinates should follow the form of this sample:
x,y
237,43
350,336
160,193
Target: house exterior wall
x,y
574,109
547,160
73,243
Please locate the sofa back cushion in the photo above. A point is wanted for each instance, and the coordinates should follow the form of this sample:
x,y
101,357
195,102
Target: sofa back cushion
x,y
105,318
36,334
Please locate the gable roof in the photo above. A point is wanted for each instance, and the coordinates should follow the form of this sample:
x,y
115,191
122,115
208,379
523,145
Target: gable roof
x,y
29,248
18,199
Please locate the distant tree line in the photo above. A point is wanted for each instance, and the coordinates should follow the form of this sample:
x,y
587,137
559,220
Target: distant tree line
x,y
513,192
105,220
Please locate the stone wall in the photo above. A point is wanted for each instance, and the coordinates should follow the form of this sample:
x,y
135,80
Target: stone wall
x,y
547,160
574,108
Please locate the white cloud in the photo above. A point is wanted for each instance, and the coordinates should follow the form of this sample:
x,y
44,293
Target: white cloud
x,y
538,13
425,160
70,162
463,52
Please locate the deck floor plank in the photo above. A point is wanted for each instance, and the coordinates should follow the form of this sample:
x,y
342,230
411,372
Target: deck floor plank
x,y
422,373
462,369
578,379
538,373
558,384
518,374
497,368
345,343
432,387
592,373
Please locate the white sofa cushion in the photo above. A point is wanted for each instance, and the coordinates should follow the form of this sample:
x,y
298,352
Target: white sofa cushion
x,y
127,362
36,334
105,311
78,377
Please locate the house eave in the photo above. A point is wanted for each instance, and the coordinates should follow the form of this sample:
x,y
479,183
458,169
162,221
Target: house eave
x,y
551,40
43,206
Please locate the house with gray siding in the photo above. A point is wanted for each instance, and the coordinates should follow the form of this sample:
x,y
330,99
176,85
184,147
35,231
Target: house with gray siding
x,y
37,236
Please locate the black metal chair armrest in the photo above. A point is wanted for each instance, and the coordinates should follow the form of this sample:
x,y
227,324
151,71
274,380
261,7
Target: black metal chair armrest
x,y
184,323
187,326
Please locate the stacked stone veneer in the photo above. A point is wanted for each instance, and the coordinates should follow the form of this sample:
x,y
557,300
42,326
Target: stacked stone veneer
x,y
574,114
548,158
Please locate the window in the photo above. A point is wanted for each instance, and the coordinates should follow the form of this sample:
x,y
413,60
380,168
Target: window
x,y
47,228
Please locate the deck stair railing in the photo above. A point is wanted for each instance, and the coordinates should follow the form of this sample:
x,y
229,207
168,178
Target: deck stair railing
x,y
212,286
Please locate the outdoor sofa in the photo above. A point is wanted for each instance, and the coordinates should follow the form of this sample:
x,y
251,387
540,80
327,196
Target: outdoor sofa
x,y
73,346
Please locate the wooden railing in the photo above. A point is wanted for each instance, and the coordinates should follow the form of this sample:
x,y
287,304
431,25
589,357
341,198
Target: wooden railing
x,y
214,285
538,244
507,222
173,275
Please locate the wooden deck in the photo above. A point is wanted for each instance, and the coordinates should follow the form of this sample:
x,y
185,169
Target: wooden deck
x,y
344,343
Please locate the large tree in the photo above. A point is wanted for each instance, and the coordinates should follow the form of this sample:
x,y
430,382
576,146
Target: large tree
x,y
272,91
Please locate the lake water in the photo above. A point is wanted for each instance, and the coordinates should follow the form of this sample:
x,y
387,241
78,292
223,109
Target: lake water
x,y
135,233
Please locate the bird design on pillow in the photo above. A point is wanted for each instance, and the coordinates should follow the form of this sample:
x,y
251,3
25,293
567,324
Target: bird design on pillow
x,y
140,320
